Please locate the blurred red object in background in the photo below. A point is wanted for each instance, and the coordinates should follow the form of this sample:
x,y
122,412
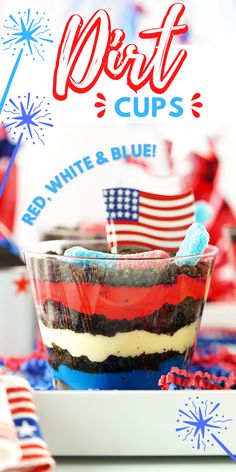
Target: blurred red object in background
x,y
203,178
9,196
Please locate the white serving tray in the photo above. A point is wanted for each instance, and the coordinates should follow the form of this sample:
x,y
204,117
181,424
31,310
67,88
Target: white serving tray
x,y
138,423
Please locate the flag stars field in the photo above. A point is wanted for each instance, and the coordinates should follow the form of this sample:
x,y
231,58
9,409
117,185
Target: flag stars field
x,y
26,429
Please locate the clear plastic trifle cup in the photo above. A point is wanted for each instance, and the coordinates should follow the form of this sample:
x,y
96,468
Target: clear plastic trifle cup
x,y
116,321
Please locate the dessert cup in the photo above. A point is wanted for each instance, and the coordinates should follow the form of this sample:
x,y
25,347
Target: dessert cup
x,y
230,232
117,322
17,314
230,238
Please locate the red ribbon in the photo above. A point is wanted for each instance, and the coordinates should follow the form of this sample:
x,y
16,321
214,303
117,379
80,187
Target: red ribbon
x,y
198,380
223,358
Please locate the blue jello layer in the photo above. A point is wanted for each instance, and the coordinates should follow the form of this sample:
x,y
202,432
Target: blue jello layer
x,y
135,380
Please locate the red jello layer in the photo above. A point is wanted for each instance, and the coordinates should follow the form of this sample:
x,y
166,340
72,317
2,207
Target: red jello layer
x,y
118,302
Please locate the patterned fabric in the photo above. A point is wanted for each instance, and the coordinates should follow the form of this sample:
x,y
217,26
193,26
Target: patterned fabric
x,y
33,454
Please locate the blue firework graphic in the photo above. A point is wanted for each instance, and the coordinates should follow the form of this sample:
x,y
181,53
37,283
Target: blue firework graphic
x,y
201,423
27,116
28,32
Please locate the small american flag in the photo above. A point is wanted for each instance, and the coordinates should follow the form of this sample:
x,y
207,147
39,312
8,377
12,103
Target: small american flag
x,y
35,456
148,220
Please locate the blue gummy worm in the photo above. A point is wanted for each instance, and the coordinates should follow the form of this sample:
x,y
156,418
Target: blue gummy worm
x,y
194,244
80,252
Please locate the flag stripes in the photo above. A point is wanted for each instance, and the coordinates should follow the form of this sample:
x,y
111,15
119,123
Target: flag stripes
x,y
147,220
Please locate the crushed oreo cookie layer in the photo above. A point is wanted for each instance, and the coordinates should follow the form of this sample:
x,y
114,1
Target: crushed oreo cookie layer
x,y
56,270
112,364
167,320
